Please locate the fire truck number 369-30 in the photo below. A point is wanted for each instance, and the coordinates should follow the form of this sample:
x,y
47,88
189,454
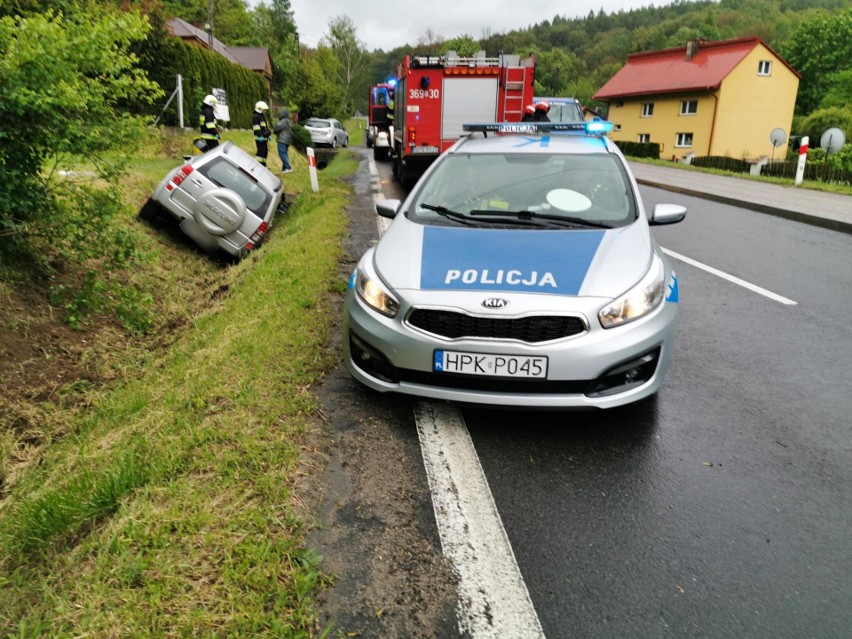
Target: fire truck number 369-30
x,y
431,94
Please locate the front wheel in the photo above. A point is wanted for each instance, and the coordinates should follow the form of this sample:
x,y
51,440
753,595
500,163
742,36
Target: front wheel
x,y
333,143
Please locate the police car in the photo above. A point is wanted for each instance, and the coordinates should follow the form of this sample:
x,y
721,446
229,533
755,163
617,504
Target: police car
x,y
520,271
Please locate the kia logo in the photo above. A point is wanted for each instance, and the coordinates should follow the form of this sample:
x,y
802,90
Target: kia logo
x,y
495,302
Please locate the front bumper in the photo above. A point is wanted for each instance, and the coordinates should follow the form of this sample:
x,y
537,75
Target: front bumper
x,y
596,369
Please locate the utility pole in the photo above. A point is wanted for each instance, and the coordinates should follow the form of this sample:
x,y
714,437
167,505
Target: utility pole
x,y
210,23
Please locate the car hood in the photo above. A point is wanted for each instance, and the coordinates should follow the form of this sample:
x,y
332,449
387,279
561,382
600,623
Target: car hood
x,y
596,262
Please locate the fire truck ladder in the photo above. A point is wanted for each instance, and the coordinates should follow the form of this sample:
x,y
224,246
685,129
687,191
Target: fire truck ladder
x,y
515,79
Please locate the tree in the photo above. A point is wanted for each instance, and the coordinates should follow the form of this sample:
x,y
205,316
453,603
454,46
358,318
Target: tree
x,y
555,70
64,77
231,24
839,93
820,48
350,52
464,45
318,94
275,28
430,43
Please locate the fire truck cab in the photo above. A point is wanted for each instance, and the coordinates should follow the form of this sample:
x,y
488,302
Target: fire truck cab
x,y
380,119
436,95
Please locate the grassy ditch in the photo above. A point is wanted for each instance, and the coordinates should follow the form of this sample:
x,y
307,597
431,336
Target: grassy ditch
x,y
165,505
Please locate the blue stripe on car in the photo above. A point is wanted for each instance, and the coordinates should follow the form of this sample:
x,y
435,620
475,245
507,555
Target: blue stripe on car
x,y
553,262
672,292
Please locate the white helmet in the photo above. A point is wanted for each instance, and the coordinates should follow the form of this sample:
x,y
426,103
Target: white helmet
x,y
210,100
261,106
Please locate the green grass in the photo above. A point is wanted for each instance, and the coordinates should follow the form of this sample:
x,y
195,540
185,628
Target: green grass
x,y
168,507
356,129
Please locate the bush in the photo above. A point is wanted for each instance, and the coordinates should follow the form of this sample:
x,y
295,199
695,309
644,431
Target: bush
x,y
301,137
722,163
640,149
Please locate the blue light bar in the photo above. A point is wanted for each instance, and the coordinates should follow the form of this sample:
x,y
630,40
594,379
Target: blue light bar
x,y
594,127
598,126
391,81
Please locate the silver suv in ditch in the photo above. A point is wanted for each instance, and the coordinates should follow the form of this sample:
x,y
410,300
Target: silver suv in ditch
x,y
224,199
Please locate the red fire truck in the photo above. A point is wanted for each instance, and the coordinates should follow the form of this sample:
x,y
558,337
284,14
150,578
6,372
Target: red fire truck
x,y
436,95
380,119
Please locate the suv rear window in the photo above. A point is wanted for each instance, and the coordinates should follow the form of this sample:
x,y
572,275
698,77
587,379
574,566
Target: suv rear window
x,y
225,174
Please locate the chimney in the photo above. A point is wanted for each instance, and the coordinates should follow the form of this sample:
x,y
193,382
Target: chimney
x,y
691,49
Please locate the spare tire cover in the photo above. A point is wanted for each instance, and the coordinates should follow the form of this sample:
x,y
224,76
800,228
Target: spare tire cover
x,y
220,211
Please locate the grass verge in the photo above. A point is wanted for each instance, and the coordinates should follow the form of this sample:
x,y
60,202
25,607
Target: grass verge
x,y
167,508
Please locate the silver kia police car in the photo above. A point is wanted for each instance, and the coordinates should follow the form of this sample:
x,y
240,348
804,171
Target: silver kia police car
x,y
520,271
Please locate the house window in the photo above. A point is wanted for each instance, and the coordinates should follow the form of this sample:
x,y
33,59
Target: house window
x,y
647,109
617,127
619,103
644,138
764,67
688,107
683,140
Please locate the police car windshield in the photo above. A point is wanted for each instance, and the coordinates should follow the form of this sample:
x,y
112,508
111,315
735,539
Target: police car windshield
x,y
579,188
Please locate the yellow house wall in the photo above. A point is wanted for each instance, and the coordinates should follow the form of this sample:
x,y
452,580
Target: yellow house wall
x,y
666,122
751,106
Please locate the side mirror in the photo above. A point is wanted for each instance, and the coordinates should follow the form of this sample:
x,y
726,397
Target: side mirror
x,y
388,208
667,214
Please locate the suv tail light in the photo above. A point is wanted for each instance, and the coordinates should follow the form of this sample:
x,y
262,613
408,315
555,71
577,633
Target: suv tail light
x,y
257,236
179,177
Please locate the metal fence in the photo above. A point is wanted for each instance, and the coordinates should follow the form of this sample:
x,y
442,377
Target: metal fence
x,y
814,171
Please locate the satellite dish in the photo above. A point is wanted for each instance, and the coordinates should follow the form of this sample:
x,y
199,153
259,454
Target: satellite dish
x,y
832,140
777,137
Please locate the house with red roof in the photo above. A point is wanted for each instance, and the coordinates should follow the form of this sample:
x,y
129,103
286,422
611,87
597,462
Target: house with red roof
x,y
721,98
254,58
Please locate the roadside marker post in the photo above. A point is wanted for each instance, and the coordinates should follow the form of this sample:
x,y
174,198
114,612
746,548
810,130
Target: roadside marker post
x,y
312,166
803,155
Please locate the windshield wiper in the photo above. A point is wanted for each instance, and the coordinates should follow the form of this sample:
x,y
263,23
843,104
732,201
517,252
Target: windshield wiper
x,y
448,213
557,220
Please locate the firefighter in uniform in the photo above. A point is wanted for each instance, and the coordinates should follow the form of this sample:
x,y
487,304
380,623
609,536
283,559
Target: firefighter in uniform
x,y
262,134
207,123
541,109
529,113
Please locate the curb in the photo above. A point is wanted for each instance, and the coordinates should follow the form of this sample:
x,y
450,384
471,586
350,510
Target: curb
x,y
796,216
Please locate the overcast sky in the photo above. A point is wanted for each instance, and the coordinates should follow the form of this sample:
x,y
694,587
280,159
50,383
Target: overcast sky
x,y
392,23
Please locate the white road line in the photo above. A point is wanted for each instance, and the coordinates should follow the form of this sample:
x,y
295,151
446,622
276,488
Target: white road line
x,y
734,280
493,598
494,602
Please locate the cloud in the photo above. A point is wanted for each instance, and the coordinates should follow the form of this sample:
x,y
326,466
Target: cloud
x,y
386,26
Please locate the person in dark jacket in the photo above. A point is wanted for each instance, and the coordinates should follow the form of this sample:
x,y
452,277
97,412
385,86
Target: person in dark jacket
x,y
284,131
529,113
260,128
207,122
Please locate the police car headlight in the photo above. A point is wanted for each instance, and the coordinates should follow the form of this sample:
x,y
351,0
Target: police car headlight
x,y
371,289
640,300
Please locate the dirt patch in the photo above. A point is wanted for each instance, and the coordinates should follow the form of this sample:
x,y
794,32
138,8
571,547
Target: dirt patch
x,y
376,526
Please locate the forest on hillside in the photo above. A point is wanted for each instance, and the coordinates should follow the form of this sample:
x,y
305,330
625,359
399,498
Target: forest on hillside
x,y
575,57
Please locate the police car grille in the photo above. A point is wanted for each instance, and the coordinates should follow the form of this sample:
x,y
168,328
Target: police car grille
x,y
539,328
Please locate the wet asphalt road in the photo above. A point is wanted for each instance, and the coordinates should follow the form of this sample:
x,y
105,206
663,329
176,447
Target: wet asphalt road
x,y
723,507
